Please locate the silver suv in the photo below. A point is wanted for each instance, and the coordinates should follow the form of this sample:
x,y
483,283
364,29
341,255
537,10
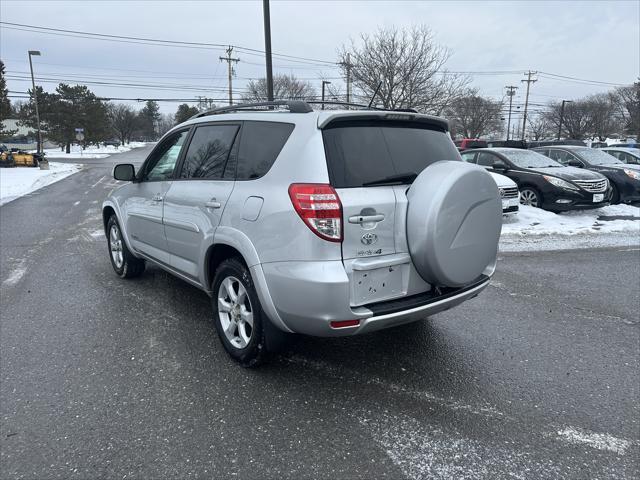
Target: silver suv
x,y
326,223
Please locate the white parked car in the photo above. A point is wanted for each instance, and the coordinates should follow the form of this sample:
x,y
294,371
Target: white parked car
x,y
508,192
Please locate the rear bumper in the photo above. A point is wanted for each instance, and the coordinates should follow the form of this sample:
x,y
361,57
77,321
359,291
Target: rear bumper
x,y
305,297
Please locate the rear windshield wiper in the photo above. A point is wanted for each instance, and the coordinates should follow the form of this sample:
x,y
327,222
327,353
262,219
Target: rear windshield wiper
x,y
398,179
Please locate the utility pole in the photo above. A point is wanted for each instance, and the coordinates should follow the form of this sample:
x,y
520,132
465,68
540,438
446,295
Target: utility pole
x,y
324,82
267,48
230,61
511,91
348,66
35,53
561,117
529,81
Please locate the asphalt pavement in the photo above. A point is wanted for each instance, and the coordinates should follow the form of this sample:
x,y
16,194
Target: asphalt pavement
x,y
538,377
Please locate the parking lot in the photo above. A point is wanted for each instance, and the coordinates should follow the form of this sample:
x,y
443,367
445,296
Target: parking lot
x,y
538,377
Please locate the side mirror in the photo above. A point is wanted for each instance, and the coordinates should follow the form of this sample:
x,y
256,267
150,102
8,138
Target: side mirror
x,y
499,165
575,163
124,172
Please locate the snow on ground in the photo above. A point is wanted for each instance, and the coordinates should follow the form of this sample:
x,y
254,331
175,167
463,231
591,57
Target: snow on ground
x,y
92,151
19,181
536,229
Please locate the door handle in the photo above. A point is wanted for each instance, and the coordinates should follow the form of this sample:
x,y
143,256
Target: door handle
x,y
157,198
366,218
212,204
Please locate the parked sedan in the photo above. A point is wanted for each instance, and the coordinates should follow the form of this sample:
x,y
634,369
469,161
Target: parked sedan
x,y
509,193
624,178
624,154
543,182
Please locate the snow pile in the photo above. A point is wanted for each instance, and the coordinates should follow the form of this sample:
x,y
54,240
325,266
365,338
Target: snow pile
x,y
91,151
19,181
535,221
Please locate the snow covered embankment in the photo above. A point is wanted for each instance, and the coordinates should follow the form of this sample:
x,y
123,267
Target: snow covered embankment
x,y
92,152
537,229
20,181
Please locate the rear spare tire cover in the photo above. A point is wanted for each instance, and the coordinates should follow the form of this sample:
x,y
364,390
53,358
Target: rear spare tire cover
x,y
454,218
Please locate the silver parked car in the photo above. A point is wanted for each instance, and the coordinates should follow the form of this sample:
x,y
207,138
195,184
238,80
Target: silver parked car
x,y
326,223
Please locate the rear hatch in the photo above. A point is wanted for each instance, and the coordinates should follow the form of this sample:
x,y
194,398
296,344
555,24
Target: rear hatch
x,y
371,164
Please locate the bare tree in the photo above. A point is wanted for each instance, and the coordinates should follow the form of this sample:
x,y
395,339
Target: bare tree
x,y
474,116
284,87
602,116
540,127
576,121
123,120
408,65
165,123
627,102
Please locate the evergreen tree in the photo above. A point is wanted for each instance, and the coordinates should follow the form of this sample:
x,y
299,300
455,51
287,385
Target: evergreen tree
x,y
149,117
5,104
184,113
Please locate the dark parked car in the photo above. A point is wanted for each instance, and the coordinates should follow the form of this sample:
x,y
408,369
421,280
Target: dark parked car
x,y
624,179
625,154
543,182
549,143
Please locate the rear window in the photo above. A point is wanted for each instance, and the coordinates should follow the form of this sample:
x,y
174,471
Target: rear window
x,y
260,145
362,153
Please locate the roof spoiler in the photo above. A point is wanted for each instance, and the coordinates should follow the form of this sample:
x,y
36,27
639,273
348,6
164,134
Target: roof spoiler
x,y
382,115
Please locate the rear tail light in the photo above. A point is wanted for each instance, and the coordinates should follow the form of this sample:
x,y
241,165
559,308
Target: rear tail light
x,y
319,207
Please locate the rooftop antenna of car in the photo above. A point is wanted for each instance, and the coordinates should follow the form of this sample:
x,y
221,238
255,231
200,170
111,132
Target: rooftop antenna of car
x,y
375,93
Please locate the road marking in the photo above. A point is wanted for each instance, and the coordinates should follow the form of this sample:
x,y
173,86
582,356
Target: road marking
x,y
629,250
16,274
599,441
98,182
429,452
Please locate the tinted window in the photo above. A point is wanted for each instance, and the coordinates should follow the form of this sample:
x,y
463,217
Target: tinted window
x,y
561,156
362,153
208,151
486,159
162,162
260,145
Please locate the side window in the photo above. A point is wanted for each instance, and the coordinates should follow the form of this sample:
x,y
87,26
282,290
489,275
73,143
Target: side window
x,y
486,159
560,156
162,162
468,156
208,152
260,145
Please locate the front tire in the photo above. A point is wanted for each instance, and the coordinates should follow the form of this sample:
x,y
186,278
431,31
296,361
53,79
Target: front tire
x,y
531,197
615,195
122,260
237,314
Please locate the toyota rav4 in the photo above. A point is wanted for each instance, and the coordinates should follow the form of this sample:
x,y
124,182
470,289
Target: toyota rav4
x,y
326,223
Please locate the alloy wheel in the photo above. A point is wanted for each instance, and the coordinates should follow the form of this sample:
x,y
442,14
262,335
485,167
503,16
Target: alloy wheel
x,y
115,245
529,197
235,312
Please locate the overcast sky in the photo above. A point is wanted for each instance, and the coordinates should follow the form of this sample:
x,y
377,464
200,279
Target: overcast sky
x,y
596,41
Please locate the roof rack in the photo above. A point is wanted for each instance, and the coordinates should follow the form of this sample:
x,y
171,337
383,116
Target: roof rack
x,y
295,106
348,104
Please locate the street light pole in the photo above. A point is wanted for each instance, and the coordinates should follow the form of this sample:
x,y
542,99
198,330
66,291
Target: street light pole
x,y
324,82
35,53
267,47
562,116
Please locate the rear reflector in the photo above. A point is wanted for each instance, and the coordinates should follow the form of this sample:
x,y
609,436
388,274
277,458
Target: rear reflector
x,y
319,207
345,323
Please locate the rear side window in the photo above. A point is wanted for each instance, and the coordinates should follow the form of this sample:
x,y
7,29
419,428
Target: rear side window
x,y
486,159
208,152
362,153
260,145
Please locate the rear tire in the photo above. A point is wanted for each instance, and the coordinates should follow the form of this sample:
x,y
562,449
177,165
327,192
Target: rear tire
x,y
122,260
238,315
531,197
